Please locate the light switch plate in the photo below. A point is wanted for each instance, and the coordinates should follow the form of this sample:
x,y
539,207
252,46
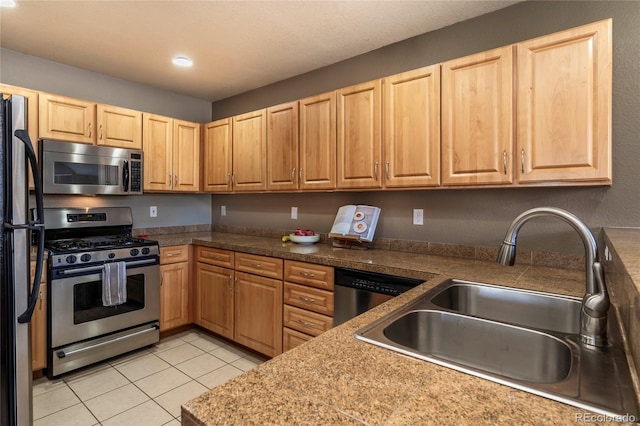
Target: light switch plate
x,y
153,211
223,210
294,212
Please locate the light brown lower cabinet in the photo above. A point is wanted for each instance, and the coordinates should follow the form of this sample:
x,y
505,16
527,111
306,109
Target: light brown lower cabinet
x,y
242,306
214,299
39,325
308,302
258,306
174,287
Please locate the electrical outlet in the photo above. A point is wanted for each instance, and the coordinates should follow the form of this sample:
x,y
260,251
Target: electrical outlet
x,y
294,212
223,210
153,211
418,217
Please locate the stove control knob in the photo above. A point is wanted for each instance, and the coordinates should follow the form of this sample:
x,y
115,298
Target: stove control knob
x,y
134,252
111,255
85,257
145,250
71,259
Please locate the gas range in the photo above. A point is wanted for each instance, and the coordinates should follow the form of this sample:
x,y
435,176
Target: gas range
x,y
85,247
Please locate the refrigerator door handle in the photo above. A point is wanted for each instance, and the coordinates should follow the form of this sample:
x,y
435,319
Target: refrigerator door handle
x,y
25,317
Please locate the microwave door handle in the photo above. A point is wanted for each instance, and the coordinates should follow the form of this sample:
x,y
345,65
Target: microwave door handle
x,y
125,176
37,225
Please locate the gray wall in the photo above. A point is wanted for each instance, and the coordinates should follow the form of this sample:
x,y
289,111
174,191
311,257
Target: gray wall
x,y
36,73
479,216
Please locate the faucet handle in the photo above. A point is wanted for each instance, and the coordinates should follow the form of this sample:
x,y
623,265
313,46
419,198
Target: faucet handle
x,y
594,311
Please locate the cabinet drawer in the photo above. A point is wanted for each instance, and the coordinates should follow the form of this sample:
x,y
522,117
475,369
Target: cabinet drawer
x,y
292,338
259,265
215,256
313,299
305,321
174,254
309,274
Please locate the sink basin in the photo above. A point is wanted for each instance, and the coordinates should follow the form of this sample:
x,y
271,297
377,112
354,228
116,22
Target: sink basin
x,y
525,308
523,339
502,349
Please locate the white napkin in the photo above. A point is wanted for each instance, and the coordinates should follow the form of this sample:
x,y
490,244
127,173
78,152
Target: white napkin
x,y
114,284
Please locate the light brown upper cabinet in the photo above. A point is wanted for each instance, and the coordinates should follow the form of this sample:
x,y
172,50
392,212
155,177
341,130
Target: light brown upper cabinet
x,y
186,156
412,128
282,147
75,120
564,106
171,154
67,119
32,114
250,151
217,154
477,119
119,127
318,142
360,135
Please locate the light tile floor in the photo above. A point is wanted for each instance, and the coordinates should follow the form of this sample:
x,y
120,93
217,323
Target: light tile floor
x,y
143,388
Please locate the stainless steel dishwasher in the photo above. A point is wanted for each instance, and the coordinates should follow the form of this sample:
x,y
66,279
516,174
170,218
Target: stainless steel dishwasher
x,y
356,291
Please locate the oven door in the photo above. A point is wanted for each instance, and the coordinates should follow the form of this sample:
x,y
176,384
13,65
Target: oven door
x,y
77,312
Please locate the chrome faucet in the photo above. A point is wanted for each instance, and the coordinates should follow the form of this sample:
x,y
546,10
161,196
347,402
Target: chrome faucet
x,y
595,303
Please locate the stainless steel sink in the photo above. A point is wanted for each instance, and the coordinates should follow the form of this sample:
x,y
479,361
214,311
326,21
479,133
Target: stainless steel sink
x,y
481,344
523,339
526,308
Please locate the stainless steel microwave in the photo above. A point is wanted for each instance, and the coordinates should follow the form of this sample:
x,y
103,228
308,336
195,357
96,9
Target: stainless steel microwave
x,y
75,168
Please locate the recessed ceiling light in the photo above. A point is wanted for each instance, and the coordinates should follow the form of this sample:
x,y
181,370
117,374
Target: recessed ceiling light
x,y
7,3
182,61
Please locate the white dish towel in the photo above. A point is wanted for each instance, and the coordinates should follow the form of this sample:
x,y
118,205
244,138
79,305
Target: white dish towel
x,y
114,284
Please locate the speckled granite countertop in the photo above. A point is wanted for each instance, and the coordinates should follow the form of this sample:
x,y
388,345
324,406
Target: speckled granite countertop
x,y
335,379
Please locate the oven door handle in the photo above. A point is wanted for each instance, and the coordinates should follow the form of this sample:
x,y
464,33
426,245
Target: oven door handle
x,y
100,267
63,354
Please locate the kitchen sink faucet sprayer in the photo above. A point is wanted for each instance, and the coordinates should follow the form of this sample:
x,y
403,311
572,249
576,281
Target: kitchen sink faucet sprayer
x,y
595,303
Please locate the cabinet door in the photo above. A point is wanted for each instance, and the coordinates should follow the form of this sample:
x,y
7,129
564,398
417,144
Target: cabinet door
x,y
119,127
157,143
214,299
292,338
250,151
259,313
318,142
359,136
282,147
218,156
32,114
67,119
412,128
564,106
477,119
174,295
186,156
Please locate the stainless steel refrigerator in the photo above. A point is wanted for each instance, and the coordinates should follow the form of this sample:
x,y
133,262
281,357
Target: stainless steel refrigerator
x,y
18,291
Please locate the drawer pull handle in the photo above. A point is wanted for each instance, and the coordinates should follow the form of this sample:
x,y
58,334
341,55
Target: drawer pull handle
x,y
307,274
171,254
504,161
256,265
307,299
307,323
522,161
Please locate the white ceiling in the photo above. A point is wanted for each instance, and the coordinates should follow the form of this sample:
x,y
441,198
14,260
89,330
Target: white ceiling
x,y
235,45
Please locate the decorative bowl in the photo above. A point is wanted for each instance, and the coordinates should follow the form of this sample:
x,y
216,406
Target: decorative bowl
x,y
304,239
